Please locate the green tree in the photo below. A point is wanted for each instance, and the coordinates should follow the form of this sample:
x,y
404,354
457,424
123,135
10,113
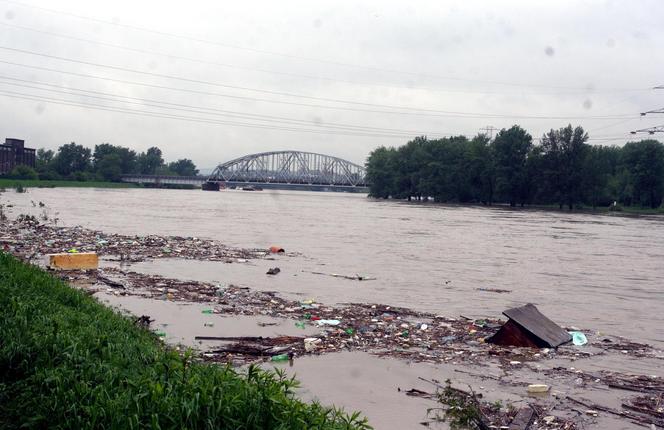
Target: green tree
x,y
564,152
44,164
644,162
109,167
599,166
445,172
150,161
482,167
380,172
122,158
44,158
71,159
511,148
563,169
183,167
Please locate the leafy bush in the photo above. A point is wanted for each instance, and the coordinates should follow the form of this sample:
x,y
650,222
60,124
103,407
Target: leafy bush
x,y
22,171
49,175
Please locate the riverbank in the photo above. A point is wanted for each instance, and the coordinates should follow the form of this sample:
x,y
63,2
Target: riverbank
x,y
36,183
74,363
598,210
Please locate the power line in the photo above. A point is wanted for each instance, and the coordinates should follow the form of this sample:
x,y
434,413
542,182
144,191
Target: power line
x,y
424,112
612,125
204,110
274,72
92,106
210,83
297,57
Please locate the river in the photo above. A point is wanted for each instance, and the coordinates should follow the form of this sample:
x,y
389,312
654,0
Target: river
x,y
600,272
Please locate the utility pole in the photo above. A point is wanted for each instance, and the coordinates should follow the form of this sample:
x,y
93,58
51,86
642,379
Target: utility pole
x,y
488,130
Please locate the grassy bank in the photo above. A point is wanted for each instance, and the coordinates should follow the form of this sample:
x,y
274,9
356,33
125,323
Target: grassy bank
x,y
67,361
35,183
626,210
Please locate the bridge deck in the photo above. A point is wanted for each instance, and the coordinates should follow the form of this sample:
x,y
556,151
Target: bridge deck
x,y
200,180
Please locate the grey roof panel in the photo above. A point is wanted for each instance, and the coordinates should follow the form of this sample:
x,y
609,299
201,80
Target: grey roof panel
x,y
533,321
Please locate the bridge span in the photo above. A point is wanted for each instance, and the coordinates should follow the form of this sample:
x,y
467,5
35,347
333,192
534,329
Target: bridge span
x,y
292,170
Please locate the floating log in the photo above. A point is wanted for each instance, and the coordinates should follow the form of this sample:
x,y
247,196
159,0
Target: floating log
x,y
269,341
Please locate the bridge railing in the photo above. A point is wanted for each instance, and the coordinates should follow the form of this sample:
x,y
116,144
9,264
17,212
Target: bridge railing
x,y
291,167
153,179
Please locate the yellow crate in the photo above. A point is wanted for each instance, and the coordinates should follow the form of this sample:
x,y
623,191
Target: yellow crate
x,y
73,261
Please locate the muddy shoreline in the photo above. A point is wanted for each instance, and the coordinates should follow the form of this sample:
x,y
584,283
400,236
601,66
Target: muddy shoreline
x,y
610,395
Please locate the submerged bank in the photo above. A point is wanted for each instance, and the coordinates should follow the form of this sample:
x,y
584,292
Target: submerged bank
x,y
37,183
68,361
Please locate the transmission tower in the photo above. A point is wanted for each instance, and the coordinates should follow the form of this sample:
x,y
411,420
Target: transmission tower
x,y
488,130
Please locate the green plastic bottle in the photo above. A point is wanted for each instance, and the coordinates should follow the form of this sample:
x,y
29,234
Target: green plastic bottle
x,y
280,357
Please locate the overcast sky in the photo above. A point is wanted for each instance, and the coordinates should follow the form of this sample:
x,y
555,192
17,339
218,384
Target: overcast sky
x,y
211,80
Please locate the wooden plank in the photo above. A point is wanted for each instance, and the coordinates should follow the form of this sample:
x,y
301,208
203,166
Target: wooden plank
x,y
522,419
73,261
533,321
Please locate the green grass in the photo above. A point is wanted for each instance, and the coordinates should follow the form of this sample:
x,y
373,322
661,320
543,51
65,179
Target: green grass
x,y
66,361
35,183
637,210
626,210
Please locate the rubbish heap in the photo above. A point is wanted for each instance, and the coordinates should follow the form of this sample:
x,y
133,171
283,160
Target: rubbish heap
x,y
29,239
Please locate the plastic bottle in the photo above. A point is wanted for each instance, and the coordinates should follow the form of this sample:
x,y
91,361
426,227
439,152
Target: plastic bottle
x,y
280,357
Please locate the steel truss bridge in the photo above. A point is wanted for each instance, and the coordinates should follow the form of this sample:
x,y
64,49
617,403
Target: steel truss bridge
x,y
293,168
278,169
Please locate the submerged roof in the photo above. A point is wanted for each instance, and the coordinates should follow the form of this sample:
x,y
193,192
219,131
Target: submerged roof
x,y
532,320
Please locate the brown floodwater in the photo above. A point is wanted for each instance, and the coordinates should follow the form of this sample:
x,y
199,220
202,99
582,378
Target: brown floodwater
x,y
377,387
598,272
601,272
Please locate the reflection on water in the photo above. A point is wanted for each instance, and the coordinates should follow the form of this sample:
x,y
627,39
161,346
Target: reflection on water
x,y
600,272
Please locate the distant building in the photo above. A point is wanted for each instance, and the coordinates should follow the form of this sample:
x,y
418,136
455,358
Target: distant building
x,y
13,152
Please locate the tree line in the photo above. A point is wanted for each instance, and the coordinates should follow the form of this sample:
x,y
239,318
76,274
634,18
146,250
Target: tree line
x,y
105,163
561,169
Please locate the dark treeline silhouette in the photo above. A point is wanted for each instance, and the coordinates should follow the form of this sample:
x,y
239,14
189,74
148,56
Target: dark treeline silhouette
x,y
106,163
562,169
